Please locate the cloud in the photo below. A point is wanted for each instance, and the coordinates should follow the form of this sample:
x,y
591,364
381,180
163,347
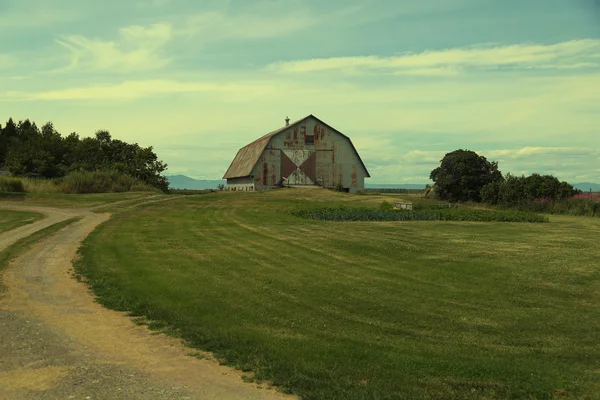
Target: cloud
x,y
130,90
574,54
144,48
137,48
7,61
216,26
573,164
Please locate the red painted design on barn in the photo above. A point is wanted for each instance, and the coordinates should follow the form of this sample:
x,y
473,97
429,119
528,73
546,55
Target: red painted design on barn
x,y
309,166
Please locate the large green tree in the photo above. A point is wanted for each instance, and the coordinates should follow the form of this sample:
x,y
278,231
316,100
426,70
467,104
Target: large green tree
x,y
27,150
462,174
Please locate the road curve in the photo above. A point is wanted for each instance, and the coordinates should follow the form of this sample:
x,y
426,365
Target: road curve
x,y
56,342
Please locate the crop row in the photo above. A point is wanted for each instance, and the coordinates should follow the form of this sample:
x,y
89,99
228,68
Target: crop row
x,y
341,213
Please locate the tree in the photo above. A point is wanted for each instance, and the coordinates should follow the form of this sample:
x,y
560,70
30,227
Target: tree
x,y
462,174
27,150
7,135
519,190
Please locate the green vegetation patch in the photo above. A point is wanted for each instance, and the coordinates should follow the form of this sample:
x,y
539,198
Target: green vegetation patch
x,y
23,244
12,185
363,310
10,219
346,213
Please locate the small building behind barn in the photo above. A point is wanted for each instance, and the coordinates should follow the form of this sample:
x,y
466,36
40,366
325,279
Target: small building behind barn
x,y
307,152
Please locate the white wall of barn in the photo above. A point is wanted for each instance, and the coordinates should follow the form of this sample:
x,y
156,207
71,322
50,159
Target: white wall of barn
x,y
240,184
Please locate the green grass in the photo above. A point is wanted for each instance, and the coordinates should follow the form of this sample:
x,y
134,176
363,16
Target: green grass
x,y
62,200
362,310
21,245
10,219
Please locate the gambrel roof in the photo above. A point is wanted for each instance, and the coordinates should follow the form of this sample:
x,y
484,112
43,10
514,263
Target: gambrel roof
x,y
247,157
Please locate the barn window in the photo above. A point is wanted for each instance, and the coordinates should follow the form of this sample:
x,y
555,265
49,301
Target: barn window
x,y
309,139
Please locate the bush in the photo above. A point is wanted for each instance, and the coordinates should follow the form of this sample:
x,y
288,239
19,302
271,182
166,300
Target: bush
x,y
11,185
102,182
40,185
524,190
386,206
578,205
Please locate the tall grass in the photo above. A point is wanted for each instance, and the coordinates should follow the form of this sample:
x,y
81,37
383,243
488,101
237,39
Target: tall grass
x,y
77,183
11,185
36,185
585,204
101,182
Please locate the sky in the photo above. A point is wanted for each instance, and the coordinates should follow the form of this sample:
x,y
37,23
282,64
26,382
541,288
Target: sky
x,y
517,81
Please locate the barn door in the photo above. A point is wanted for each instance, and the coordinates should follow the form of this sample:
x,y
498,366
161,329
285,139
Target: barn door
x,y
299,166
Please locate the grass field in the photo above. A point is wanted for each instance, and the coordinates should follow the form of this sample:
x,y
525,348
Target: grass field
x,y
13,219
362,310
62,200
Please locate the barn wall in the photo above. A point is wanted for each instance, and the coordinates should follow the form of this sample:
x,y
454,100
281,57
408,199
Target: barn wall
x,y
243,184
328,161
266,174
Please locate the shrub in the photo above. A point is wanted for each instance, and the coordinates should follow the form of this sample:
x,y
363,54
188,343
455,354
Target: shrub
x,y
102,182
579,205
386,206
11,185
40,185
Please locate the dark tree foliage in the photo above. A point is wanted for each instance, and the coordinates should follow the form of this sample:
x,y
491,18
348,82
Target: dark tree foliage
x,y
462,174
515,190
26,150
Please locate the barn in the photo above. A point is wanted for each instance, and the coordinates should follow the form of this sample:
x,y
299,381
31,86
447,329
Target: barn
x,y
307,152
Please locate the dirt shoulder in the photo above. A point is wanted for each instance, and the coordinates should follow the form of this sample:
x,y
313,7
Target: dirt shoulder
x,y
57,342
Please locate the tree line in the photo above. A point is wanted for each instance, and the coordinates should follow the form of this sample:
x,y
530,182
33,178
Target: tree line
x,y
26,150
463,175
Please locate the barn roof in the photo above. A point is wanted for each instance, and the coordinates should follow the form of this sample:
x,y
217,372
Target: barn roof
x,y
247,157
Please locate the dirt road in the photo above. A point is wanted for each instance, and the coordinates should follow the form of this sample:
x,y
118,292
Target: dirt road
x,y
57,343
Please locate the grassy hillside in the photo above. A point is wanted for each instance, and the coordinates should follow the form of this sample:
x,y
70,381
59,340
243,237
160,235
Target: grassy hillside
x,y
362,310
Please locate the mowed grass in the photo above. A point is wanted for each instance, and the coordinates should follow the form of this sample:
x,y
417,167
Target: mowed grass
x,y
61,200
362,310
10,219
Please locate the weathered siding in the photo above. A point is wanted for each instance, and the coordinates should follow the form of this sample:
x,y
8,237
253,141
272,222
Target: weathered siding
x,y
307,152
244,184
330,158
266,174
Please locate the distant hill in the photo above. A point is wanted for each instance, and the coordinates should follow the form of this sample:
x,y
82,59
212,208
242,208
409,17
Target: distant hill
x,y
185,182
586,186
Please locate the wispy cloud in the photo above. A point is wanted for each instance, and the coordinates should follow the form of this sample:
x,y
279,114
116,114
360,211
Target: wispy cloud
x,y
130,90
137,48
262,20
574,54
217,26
7,61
